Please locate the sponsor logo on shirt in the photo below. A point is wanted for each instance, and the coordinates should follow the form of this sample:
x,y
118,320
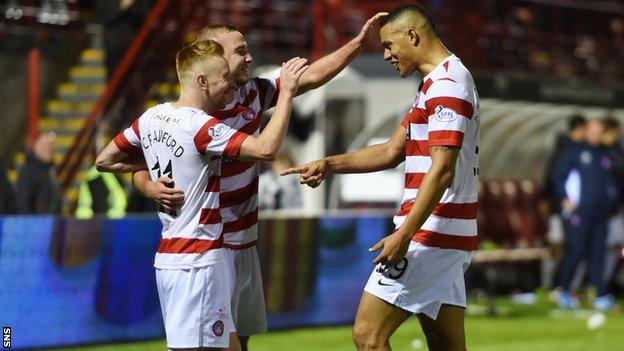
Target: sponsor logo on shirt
x,y
445,114
217,131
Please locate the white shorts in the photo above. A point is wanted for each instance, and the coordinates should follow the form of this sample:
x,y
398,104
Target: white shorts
x,y
195,304
248,310
426,279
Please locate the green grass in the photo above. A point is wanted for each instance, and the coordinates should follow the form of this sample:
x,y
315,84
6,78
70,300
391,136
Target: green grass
x,y
537,327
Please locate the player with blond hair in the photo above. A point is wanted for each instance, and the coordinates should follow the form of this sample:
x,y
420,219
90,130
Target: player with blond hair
x,y
183,142
239,179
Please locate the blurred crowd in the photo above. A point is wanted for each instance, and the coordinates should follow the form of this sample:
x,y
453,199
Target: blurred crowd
x,y
584,195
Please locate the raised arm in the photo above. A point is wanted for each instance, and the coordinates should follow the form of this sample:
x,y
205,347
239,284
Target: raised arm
x,y
326,68
369,159
267,144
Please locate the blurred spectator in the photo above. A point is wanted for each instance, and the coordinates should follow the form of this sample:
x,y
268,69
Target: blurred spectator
x,y
615,233
101,193
586,184
37,188
575,135
122,19
7,194
275,192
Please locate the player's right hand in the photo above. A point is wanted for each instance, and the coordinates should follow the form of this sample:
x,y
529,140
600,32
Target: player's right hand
x,y
291,72
312,174
163,193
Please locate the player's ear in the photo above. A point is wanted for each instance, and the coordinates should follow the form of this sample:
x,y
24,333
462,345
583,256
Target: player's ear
x,y
202,81
413,37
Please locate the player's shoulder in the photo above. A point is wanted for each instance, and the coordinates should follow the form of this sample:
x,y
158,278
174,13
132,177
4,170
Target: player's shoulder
x,y
452,77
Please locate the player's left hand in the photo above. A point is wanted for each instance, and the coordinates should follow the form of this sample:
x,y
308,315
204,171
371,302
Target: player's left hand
x,y
393,248
370,30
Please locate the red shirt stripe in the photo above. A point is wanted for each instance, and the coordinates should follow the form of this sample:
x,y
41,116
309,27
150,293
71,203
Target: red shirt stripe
x,y
232,149
240,246
446,138
188,245
238,196
242,223
417,148
210,216
426,85
446,241
124,145
202,138
447,210
238,107
413,180
234,167
214,184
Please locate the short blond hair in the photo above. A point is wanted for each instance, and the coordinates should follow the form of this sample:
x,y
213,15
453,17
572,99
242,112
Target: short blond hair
x,y
197,53
212,31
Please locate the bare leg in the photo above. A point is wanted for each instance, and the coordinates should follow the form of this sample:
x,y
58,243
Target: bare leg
x,y
244,341
234,343
375,321
446,333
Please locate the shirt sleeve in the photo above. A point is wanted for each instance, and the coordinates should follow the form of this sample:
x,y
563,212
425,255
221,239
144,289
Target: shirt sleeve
x,y
129,140
219,139
449,109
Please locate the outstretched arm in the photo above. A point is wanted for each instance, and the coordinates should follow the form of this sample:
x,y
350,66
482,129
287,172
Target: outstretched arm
x,y
326,68
369,159
267,144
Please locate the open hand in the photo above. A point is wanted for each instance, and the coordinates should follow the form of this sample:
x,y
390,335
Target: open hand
x,y
291,72
370,30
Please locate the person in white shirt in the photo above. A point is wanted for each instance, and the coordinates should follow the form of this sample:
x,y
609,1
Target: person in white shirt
x,y
181,141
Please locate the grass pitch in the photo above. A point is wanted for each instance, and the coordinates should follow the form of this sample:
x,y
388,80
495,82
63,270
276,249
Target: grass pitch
x,y
537,327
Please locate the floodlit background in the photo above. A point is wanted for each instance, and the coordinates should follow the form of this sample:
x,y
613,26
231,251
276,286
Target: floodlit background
x,y
76,72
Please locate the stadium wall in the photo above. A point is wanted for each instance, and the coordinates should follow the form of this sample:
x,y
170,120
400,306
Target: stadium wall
x,y
66,282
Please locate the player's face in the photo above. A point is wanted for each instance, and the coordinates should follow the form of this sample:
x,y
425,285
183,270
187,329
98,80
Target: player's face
x,y
236,52
220,85
397,49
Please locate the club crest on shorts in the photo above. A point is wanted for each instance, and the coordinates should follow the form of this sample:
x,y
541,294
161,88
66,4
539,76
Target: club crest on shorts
x,y
445,114
217,328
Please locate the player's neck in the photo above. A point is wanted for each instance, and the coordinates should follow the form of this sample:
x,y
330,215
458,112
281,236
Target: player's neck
x,y
193,100
435,55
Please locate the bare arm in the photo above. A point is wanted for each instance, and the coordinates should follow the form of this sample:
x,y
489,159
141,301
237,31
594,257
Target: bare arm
x,y
369,159
267,144
326,68
111,159
438,178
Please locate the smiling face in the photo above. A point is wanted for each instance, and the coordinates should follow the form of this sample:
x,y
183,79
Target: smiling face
x,y
236,52
399,48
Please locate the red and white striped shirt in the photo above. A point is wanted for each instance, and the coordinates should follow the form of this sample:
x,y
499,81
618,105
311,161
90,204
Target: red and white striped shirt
x,y
185,144
444,113
239,179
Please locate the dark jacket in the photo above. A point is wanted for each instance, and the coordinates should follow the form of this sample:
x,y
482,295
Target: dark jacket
x,y
596,170
37,188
